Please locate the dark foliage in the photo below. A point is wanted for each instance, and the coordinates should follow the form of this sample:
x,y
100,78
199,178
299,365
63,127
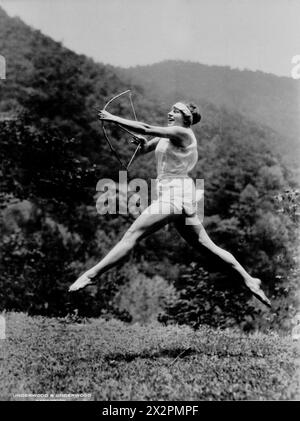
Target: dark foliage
x,y
52,155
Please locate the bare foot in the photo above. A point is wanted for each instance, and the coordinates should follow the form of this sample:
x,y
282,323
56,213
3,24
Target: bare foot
x,y
82,282
254,285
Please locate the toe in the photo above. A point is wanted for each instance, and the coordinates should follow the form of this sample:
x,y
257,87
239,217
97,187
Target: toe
x,y
80,283
255,288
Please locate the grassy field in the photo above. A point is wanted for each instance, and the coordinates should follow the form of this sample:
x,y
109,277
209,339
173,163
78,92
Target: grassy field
x,y
114,361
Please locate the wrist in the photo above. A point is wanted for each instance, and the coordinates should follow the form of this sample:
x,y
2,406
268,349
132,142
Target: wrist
x,y
143,146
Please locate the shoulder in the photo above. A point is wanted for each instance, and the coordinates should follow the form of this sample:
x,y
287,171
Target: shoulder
x,y
184,137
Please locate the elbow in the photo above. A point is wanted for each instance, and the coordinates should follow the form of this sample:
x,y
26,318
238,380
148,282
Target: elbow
x,y
150,130
146,129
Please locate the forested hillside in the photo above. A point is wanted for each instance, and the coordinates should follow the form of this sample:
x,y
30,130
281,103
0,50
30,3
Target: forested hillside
x,y
264,98
52,155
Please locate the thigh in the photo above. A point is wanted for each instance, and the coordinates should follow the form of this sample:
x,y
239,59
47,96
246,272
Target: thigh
x,y
152,219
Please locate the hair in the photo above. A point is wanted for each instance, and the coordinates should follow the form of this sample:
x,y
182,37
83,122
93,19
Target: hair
x,y
194,109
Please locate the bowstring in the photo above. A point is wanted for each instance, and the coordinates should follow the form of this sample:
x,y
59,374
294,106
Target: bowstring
x,y
138,147
126,130
132,106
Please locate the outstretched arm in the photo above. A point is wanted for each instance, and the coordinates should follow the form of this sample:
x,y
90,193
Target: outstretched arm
x,y
178,135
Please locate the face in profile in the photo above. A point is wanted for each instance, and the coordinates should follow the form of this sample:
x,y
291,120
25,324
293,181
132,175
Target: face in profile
x,y
175,117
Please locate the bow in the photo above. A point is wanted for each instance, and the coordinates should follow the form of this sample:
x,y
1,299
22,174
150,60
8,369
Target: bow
x,y
124,165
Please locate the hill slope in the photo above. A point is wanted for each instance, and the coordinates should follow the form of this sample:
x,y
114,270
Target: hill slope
x,y
54,154
264,98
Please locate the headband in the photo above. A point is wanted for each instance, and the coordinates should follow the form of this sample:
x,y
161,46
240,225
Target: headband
x,y
184,109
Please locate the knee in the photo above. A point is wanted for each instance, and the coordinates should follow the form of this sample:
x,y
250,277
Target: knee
x,y
131,237
228,258
210,247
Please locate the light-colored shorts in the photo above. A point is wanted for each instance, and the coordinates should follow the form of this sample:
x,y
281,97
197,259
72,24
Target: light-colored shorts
x,y
176,196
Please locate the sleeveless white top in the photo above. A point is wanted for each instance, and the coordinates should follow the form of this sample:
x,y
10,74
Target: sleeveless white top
x,y
175,190
175,161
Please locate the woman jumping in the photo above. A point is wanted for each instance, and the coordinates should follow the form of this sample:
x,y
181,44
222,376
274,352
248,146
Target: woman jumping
x,y
176,154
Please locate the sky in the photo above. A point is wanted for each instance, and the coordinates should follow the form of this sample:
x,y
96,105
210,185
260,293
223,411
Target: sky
x,y
246,34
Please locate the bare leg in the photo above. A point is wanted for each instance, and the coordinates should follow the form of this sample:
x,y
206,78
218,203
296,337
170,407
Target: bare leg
x,y
195,234
144,225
